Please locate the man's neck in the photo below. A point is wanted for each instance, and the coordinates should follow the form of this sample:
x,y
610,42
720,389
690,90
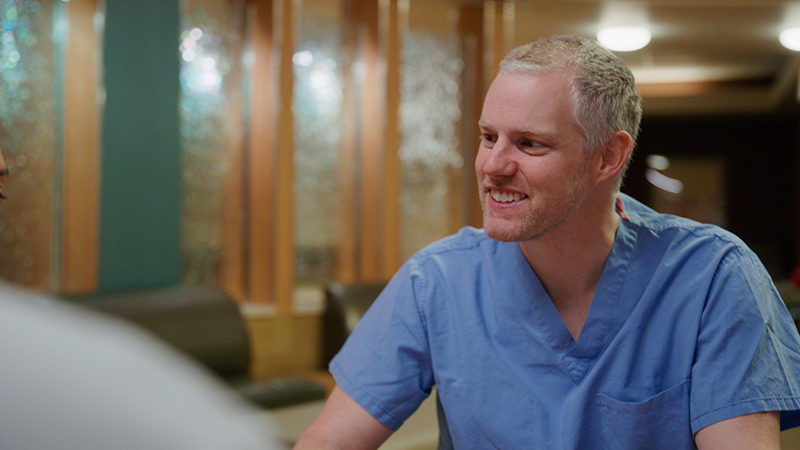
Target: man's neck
x,y
570,263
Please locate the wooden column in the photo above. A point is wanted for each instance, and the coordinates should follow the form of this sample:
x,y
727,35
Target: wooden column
x,y
284,257
81,150
369,168
370,142
261,153
471,30
397,17
499,35
346,257
271,249
233,266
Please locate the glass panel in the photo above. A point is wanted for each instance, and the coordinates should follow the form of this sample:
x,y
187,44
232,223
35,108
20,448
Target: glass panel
x,y
429,118
318,110
29,111
212,129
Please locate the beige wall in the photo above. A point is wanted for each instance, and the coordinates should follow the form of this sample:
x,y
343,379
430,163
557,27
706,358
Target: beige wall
x,y
790,439
284,345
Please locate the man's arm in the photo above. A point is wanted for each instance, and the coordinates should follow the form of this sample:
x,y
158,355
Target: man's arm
x,y
759,431
343,424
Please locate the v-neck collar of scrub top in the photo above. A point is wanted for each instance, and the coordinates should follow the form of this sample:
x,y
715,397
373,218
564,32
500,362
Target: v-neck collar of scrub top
x,y
606,313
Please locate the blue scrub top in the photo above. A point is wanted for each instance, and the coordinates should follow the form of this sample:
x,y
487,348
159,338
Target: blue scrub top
x,y
685,329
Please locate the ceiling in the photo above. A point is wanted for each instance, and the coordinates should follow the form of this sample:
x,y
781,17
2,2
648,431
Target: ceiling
x,y
705,56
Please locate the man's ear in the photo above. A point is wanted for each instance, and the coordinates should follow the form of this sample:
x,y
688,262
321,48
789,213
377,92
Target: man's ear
x,y
614,155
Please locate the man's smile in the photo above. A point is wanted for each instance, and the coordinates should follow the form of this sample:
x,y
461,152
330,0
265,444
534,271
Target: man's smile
x,y
505,196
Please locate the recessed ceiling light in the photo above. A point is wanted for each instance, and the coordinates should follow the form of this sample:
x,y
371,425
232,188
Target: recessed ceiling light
x,y
624,39
657,162
663,182
790,38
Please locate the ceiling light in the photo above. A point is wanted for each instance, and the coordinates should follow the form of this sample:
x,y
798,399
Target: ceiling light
x,y
663,182
624,39
657,162
790,38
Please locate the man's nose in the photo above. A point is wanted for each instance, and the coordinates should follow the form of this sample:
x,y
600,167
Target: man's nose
x,y
500,159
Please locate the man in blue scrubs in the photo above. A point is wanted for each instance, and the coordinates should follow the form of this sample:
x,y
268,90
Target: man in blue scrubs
x,y
577,318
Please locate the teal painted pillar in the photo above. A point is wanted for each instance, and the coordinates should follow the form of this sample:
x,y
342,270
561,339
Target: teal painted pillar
x,y
141,174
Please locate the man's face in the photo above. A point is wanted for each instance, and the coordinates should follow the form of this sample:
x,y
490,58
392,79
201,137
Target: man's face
x,y
3,173
533,175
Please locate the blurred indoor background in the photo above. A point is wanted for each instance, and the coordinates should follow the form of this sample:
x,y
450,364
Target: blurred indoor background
x,y
271,147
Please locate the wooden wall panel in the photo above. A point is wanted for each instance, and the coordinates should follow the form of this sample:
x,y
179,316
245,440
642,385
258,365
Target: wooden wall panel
x,y
474,86
370,141
346,257
233,268
81,161
284,256
270,231
261,151
397,16
369,168
498,35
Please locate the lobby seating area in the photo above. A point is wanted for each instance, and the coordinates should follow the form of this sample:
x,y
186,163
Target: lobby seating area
x,y
205,324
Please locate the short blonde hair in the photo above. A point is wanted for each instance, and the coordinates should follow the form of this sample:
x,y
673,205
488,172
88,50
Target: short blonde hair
x,y
605,97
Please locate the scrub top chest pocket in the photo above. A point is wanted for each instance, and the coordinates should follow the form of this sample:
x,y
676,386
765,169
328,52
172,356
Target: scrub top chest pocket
x,y
659,422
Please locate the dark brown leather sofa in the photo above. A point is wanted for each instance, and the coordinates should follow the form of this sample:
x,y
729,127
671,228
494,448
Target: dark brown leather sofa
x,y
205,324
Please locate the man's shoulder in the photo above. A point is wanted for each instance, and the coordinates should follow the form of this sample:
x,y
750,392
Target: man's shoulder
x,y
669,226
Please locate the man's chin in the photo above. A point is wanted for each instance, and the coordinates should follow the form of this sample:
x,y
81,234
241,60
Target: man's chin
x,y
501,234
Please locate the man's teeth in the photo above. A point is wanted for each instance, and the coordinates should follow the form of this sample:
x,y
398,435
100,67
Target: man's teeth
x,y
506,197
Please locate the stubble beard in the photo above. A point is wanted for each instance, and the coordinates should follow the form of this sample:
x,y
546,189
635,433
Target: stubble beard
x,y
533,225
539,220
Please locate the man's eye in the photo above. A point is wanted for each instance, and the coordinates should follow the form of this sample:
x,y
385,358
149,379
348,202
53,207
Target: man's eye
x,y
530,145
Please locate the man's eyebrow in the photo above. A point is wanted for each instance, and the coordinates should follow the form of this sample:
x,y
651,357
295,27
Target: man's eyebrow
x,y
524,132
515,131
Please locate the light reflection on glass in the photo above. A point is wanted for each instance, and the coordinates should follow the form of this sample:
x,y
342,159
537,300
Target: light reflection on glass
x,y
317,108
28,116
211,43
429,117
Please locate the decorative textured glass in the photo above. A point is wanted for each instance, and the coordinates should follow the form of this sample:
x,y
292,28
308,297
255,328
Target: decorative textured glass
x,y
429,120
211,46
317,109
30,117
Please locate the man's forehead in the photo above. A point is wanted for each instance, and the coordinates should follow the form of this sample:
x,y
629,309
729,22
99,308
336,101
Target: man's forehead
x,y
510,102
526,91
519,112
